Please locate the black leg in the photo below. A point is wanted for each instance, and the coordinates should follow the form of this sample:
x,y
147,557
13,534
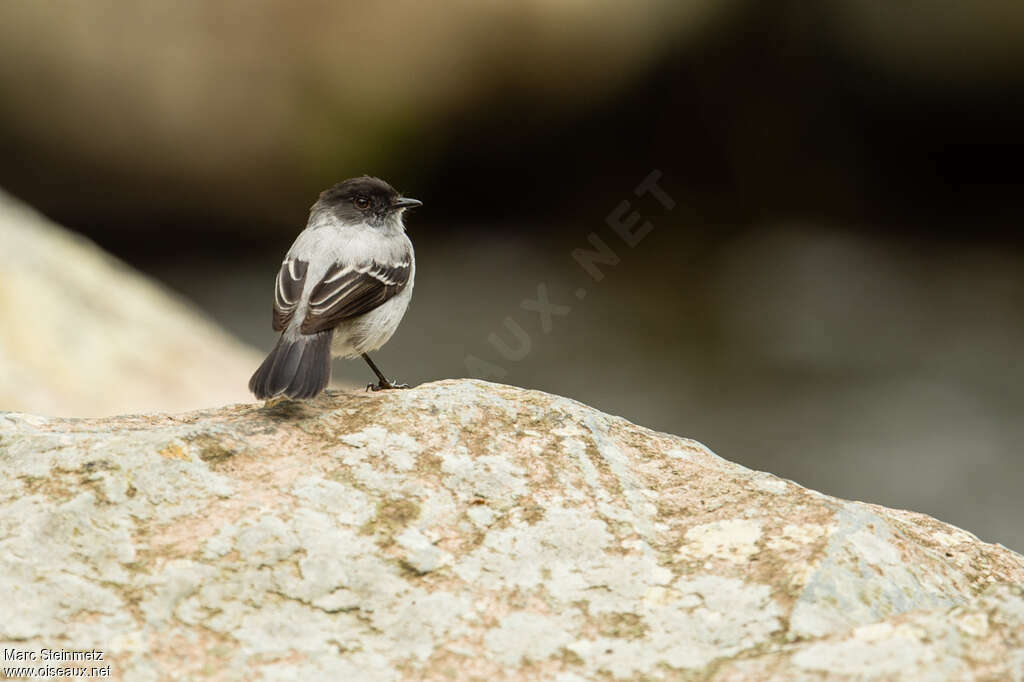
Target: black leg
x,y
383,383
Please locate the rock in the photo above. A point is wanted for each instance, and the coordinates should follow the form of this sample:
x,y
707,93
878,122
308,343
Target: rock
x,y
465,530
81,333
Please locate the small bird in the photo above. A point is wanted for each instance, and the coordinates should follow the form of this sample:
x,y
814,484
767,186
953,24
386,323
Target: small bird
x,y
342,288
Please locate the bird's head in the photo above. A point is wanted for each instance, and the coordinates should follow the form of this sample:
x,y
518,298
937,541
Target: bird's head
x,y
365,200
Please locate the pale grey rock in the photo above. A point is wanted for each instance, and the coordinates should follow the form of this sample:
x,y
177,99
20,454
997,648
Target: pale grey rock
x,y
83,334
465,530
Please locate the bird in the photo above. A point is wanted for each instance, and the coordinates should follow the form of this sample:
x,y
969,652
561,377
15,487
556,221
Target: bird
x,y
341,290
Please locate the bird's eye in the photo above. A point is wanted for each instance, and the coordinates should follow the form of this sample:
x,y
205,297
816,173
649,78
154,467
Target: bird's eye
x,y
362,203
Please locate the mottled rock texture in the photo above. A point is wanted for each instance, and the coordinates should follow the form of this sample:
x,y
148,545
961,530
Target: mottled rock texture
x,y
81,333
464,530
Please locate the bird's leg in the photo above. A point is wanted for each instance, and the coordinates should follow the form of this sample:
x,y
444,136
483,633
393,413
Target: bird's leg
x,y
383,383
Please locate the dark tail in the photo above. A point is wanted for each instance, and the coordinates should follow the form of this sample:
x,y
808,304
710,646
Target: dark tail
x,y
298,368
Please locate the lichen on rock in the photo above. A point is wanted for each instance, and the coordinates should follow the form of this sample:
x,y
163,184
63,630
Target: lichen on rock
x,y
465,530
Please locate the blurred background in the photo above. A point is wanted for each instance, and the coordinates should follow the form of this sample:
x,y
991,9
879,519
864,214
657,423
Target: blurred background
x,y
836,296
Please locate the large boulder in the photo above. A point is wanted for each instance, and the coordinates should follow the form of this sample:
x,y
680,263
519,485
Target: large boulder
x,y
82,333
465,530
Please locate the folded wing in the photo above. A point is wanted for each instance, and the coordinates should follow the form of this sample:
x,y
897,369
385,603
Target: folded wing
x,y
288,290
350,290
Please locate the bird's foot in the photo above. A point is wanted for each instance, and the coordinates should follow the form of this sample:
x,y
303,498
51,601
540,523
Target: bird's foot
x,y
384,385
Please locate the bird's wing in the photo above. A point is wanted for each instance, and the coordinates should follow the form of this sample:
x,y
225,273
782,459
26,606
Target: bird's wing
x,y
350,290
288,290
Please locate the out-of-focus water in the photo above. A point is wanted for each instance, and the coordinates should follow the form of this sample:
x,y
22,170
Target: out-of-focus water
x,y
869,368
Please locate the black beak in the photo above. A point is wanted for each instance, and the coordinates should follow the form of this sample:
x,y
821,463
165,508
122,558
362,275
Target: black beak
x,y
405,202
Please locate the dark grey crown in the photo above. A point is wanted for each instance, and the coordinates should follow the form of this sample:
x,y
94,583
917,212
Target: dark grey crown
x,y
362,199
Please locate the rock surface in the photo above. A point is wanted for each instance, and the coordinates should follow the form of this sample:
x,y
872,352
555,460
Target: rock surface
x,y
464,530
81,333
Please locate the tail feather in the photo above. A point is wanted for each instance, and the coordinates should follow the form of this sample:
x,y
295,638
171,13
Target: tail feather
x,y
297,367
314,369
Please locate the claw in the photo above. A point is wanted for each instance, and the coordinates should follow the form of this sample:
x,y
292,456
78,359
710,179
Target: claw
x,y
385,386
